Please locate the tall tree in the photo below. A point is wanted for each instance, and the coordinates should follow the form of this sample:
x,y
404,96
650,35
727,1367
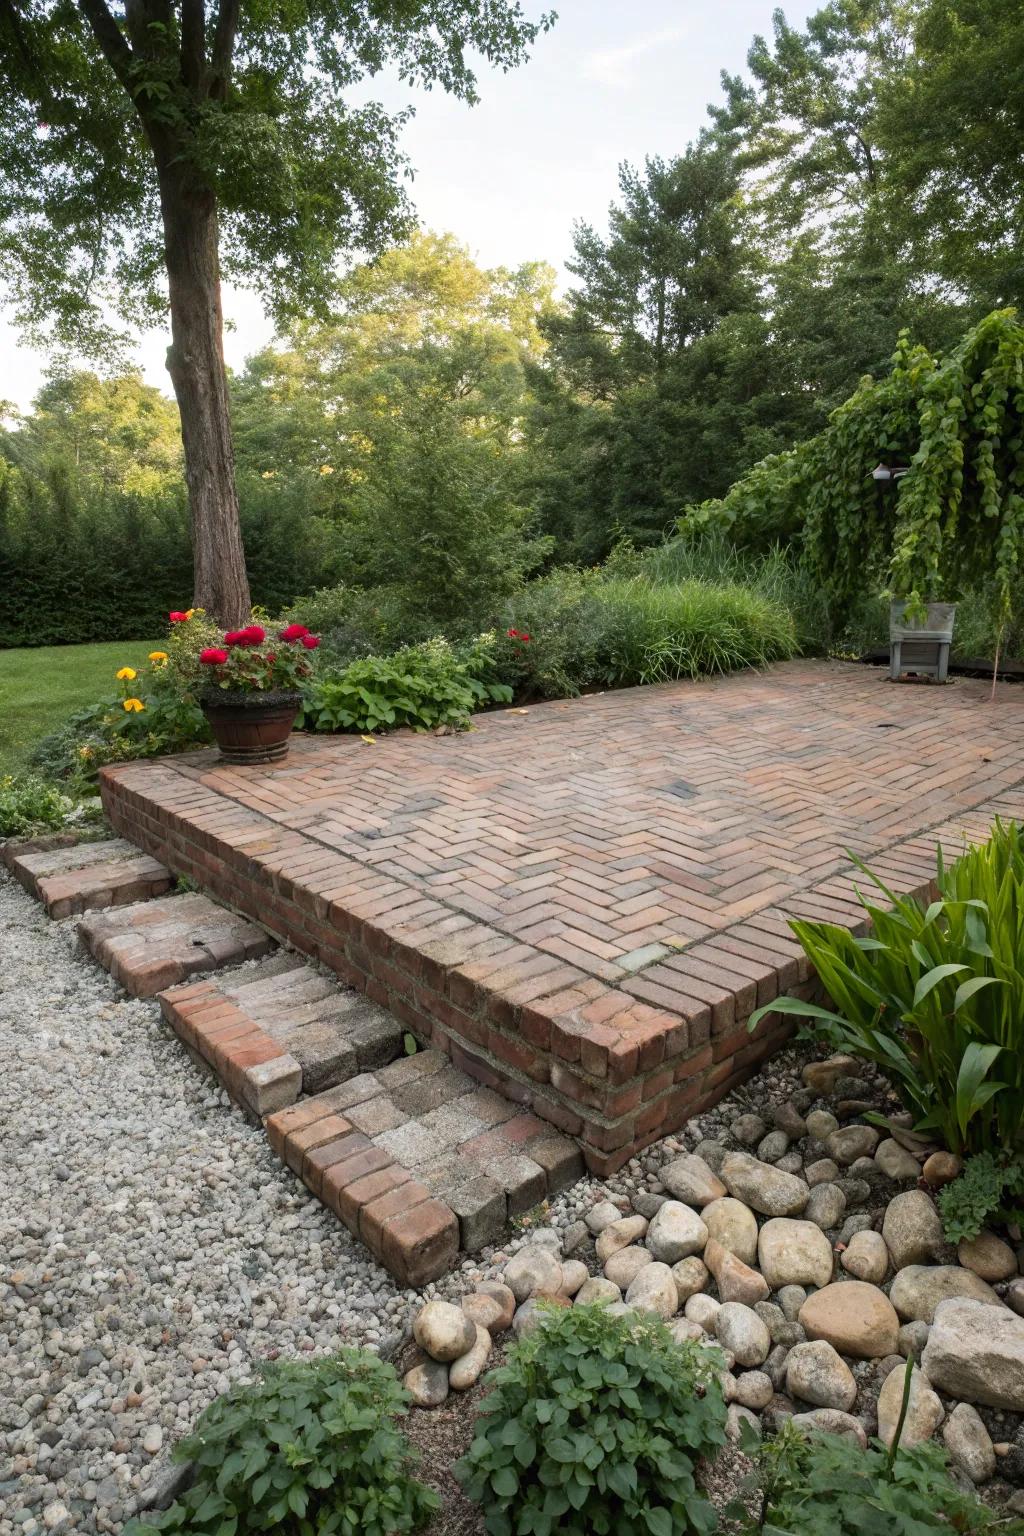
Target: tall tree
x,y
146,146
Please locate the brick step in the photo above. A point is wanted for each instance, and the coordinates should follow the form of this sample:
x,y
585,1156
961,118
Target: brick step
x,y
84,877
157,944
392,1150
280,1031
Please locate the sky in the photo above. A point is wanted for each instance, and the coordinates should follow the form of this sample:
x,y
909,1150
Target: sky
x,y
613,80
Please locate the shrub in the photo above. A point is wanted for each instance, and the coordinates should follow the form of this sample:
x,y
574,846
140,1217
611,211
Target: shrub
x,y
826,1485
27,804
311,1448
935,997
561,614
990,1189
595,1425
424,686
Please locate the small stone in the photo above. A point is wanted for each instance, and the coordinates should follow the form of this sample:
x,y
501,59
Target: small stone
x,y
773,1146
713,1153
941,1168
832,1421
690,1275
465,1371
821,1123
1015,1296
826,1206
859,1221
574,1274
817,1374
534,1271
918,1290
988,1257
624,1266
654,1290
855,1318
427,1383
492,1305
531,1313
676,1233
849,1143
912,1339
574,1237
736,1281
703,1310
976,1353
619,1234
866,1257
690,1179
912,1229
55,1514
823,1171
924,1410
685,1331
896,1162
754,1390
822,1076
762,1187
969,1443
152,1440
791,1299
647,1204
740,1330
442,1331
602,1215
735,1417
748,1129
789,1119
733,1225
794,1253
598,1288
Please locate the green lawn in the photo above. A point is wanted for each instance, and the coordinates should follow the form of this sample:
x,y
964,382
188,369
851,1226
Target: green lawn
x,y
40,687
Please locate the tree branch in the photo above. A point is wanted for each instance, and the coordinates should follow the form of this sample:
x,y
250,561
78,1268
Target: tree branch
x,y
111,40
193,45
223,47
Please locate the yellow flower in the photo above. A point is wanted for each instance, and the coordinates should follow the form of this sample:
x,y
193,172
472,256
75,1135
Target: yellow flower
x,y
135,705
158,656
189,612
325,469
126,673
268,474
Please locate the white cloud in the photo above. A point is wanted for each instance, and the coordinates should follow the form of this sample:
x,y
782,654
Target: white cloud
x,y
611,66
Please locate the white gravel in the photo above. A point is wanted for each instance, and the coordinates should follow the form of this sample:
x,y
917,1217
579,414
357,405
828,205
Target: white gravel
x,y
152,1247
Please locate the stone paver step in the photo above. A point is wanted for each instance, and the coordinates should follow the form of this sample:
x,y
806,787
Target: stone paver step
x,y
157,944
307,1032
436,1142
83,877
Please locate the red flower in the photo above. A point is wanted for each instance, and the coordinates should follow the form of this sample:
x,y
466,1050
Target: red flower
x,y
252,634
513,634
310,642
518,634
270,660
177,618
213,656
294,632
524,637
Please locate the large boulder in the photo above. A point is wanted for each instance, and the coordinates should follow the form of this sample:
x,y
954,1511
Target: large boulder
x,y
624,1266
675,1233
691,1275
924,1411
654,1290
988,1256
794,1253
969,1443
832,1421
857,1319
444,1332
736,1281
866,1257
734,1225
976,1353
690,1179
816,1374
762,1187
533,1271
597,1289
845,1146
912,1229
740,1330
918,1290
619,1234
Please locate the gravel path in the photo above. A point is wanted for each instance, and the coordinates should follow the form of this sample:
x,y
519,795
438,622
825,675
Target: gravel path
x,y
152,1247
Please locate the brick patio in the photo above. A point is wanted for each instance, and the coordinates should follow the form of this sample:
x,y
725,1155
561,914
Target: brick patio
x,y
582,902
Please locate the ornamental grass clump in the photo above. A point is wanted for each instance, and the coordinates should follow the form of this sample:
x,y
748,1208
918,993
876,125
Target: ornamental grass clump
x,y
935,995
594,1426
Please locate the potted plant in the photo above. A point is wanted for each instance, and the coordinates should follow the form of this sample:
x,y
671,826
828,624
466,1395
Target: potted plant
x,y
252,693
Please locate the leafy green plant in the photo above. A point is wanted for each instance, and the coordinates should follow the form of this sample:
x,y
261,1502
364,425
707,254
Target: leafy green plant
x,y
595,1425
827,1485
424,686
312,1449
990,1189
28,803
935,995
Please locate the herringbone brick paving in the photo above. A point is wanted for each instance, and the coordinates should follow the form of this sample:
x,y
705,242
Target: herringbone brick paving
x,y
582,902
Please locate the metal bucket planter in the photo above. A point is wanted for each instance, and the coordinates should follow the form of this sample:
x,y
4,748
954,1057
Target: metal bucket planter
x,y
920,649
251,727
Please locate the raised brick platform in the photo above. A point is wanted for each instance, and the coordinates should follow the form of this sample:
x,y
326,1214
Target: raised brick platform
x,y
582,903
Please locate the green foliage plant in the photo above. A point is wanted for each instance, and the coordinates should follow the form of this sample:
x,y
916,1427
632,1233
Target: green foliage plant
x,y
594,1426
934,996
827,1485
428,687
989,1190
28,804
311,1449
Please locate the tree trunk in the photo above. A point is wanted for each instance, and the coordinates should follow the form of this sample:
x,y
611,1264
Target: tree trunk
x,y
195,361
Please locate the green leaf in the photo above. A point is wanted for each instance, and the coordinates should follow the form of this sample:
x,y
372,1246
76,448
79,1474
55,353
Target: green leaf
x,y
932,978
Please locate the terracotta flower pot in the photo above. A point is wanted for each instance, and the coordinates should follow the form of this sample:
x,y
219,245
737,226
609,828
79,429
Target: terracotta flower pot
x,y
251,727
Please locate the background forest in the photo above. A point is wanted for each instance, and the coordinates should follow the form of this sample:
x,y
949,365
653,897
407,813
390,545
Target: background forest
x,y
451,434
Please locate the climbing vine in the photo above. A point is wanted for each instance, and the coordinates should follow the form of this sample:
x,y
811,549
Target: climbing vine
x,y
954,520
